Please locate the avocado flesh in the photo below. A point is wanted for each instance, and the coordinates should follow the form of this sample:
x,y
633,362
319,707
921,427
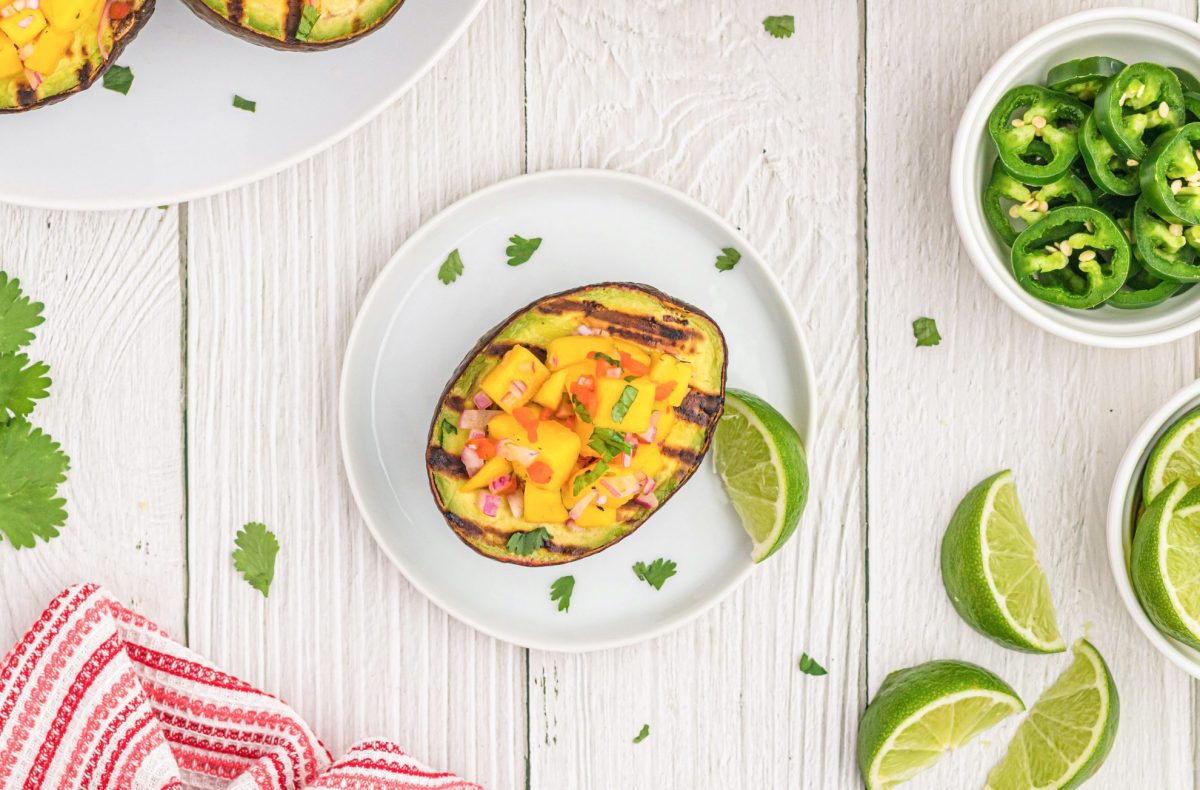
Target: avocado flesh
x,y
274,22
634,312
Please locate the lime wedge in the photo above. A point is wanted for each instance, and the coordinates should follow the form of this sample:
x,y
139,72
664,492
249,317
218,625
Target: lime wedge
x,y
1067,734
761,461
991,573
922,712
1165,562
1175,457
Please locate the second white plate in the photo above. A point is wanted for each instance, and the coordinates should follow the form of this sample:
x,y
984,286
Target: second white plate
x,y
412,332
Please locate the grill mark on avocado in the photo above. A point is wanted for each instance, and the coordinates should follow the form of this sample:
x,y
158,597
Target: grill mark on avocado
x,y
26,96
636,327
85,73
234,10
685,455
441,461
502,347
700,409
456,402
292,23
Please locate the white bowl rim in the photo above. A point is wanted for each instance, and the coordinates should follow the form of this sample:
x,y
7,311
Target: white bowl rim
x,y
963,203
1127,479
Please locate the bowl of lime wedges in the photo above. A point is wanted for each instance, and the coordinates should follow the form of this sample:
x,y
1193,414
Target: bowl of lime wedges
x,y
1154,529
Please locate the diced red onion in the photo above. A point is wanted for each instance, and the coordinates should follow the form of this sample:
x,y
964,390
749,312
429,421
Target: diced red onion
x,y
471,460
626,485
477,418
571,525
626,460
476,434
612,488
516,503
649,434
581,506
553,361
649,485
647,500
104,22
499,483
481,400
489,503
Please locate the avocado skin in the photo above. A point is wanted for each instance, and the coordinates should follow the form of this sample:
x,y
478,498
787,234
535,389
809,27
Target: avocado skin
x,y
124,31
290,42
697,416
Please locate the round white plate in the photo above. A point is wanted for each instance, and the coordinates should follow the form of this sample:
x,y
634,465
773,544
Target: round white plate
x,y
413,331
176,136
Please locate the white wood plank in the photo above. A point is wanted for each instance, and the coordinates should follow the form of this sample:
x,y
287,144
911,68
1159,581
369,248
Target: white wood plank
x,y
276,273
996,393
110,283
767,133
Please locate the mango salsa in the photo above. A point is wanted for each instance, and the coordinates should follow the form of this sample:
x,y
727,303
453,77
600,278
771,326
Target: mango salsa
x,y
631,400
669,369
516,379
566,351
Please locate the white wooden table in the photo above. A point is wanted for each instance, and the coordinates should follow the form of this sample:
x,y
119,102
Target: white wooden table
x,y
196,350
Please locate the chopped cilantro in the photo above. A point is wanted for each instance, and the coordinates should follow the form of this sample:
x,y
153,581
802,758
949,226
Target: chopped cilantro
x,y
656,573
18,315
616,363
561,591
641,736
445,427
780,26
621,407
581,411
609,443
728,260
119,79
450,269
244,104
525,543
587,478
521,250
809,666
255,556
21,383
926,332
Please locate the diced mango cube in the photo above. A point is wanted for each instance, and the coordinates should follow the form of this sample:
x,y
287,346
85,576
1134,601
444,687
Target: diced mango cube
x,y
492,468
598,515
666,421
49,50
10,61
505,426
632,349
648,459
558,447
668,368
609,393
516,379
23,26
68,15
584,431
543,505
551,393
572,349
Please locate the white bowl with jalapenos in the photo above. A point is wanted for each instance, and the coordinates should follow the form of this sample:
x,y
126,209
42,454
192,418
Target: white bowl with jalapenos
x,y
1075,177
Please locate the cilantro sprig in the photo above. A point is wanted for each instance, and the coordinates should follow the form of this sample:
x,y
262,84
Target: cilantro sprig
x,y
119,79
642,735
244,104
926,332
520,250
255,555
451,268
525,543
587,478
656,573
728,258
581,410
561,591
780,26
809,666
18,315
21,383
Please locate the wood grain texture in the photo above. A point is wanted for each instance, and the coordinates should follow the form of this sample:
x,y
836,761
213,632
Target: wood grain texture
x,y
698,96
110,284
276,273
996,393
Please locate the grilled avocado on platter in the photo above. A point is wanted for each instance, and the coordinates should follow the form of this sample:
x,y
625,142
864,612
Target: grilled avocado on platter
x,y
574,420
51,49
296,25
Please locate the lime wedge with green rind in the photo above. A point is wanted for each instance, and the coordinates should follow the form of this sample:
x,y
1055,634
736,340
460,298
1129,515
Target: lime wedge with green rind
x,y
991,572
1164,563
922,712
760,458
1068,732
1176,456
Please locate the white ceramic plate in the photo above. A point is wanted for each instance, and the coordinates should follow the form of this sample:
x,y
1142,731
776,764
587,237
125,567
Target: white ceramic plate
x,y
176,136
413,331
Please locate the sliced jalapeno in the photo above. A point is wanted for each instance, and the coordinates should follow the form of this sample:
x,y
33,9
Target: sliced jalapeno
x,y
1187,80
1075,256
1170,176
1143,288
1136,105
1168,249
1191,106
1010,206
1108,169
1030,114
1083,77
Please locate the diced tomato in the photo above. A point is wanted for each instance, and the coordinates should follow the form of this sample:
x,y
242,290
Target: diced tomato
x,y
664,390
118,11
540,472
528,420
602,366
484,447
632,366
586,394
547,413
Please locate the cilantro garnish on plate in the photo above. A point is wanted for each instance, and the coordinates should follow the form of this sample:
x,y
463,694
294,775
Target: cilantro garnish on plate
x,y
656,573
728,258
18,315
780,26
255,556
450,269
520,250
561,591
119,79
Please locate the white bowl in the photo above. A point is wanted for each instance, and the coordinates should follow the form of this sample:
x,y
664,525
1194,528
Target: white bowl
x,y
1121,504
1131,34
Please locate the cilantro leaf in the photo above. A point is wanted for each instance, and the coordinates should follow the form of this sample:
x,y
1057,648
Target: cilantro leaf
x,y
926,332
119,79
809,666
621,407
450,269
444,427
656,573
581,411
616,363
609,443
521,250
590,476
308,17
780,26
32,465
561,591
255,556
728,260
244,104
641,736
525,543
18,315
21,382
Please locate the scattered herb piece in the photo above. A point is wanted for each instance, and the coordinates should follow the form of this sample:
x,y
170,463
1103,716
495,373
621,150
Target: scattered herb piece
x,y
244,104
780,26
641,736
255,555
451,268
926,332
809,666
32,466
561,591
526,543
621,407
656,573
728,259
590,476
609,443
164,207
630,378
445,427
308,17
21,383
119,79
581,411
521,250
616,363
18,315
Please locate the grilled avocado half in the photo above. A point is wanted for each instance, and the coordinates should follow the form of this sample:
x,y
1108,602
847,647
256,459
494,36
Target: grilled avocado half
x,y
296,25
52,49
580,414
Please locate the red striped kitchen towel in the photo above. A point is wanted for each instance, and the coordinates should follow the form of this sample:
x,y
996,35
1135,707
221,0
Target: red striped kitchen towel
x,y
97,696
